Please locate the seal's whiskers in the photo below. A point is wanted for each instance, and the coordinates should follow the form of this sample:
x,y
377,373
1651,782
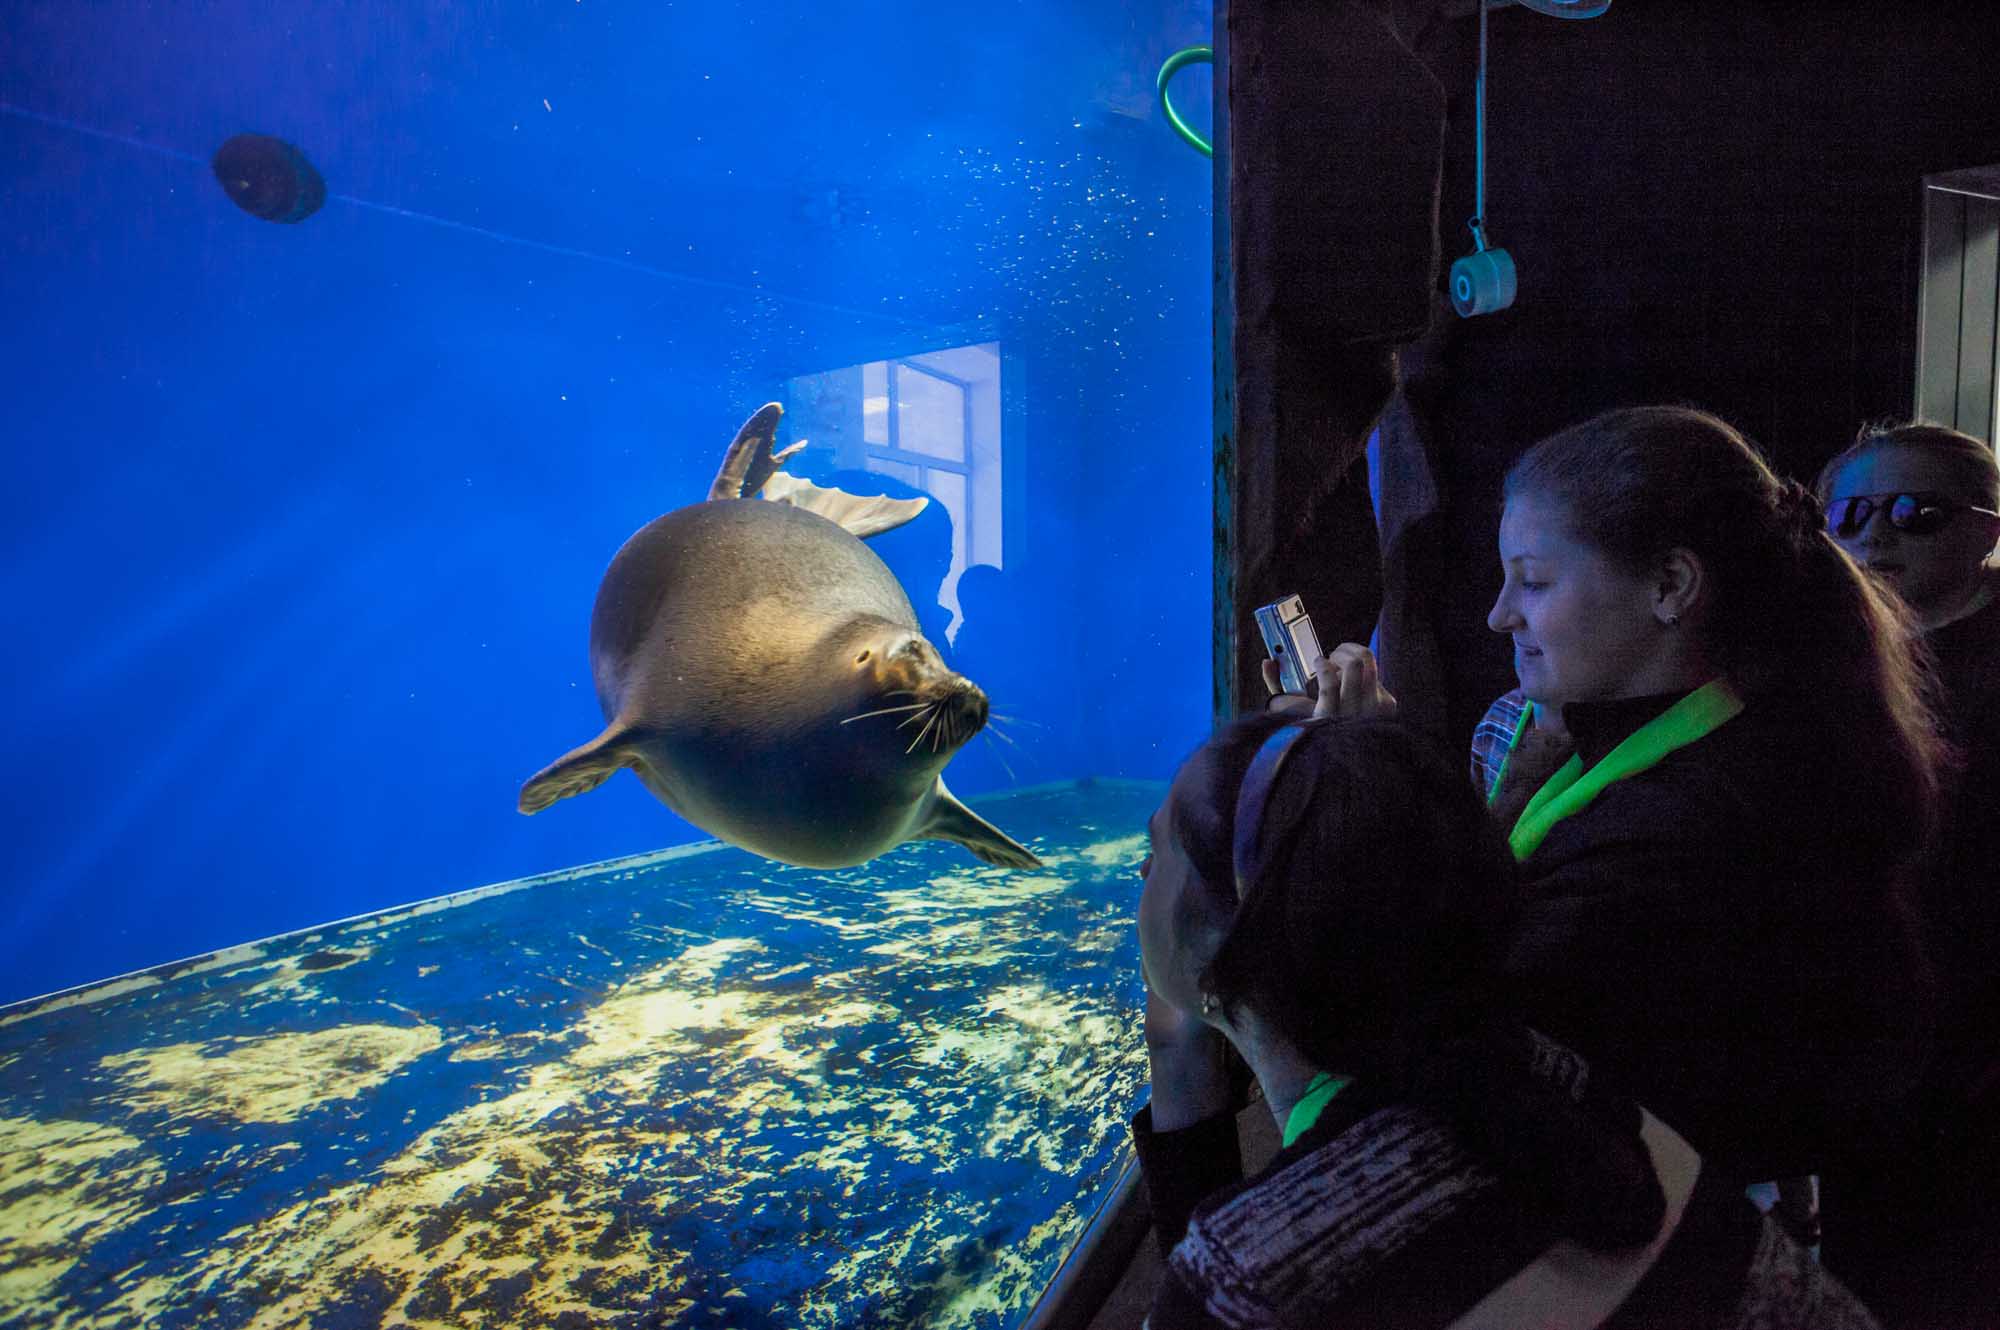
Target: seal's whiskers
x,y
997,757
937,710
885,711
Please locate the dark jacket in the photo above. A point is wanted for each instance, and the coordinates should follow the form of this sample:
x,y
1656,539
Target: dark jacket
x,y
1959,890
1948,1176
1722,933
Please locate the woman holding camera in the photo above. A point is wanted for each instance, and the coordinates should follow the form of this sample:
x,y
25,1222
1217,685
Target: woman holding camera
x,y
1329,898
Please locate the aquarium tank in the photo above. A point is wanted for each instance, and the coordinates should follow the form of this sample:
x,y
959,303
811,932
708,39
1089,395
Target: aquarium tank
x,y
346,345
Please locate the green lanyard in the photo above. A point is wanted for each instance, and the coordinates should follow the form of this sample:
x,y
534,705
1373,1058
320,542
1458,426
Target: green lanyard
x,y
1700,713
1320,1091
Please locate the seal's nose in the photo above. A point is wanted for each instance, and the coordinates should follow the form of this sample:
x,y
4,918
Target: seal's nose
x,y
968,702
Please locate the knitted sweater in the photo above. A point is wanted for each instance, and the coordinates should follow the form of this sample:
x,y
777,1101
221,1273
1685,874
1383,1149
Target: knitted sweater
x,y
1381,1215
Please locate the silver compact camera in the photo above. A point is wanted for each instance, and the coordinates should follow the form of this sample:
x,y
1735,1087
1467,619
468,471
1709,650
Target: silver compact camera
x,y
1289,639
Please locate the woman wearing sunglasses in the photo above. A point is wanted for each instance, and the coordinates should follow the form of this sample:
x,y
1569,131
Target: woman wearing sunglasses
x,y
1919,506
1330,899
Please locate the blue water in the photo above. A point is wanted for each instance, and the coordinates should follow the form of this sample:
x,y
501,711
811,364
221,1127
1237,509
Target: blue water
x,y
301,524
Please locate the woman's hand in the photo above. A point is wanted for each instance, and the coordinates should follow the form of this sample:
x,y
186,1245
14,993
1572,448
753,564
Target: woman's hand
x,y
1190,1076
1349,685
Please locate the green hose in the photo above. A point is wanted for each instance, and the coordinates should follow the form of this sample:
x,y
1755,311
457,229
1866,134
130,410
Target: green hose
x,y
1193,55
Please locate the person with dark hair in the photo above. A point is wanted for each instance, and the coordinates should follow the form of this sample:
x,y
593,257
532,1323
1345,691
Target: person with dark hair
x,y
1919,506
1712,914
1329,897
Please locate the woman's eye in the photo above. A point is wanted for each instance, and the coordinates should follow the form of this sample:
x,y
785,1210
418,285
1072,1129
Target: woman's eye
x,y
1533,586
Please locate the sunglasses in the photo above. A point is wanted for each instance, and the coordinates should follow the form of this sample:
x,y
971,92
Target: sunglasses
x,y
1913,514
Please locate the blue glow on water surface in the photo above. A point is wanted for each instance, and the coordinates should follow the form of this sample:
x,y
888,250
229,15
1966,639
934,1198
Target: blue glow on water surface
x,y
302,526
666,1090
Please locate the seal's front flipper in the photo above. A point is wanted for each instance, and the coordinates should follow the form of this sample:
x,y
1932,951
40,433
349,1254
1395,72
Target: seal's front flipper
x,y
579,771
864,515
953,821
750,462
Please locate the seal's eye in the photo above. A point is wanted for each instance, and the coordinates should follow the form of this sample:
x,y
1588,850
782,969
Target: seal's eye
x,y
862,659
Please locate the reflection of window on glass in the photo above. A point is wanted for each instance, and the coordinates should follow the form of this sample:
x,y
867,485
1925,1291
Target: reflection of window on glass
x,y
930,419
917,425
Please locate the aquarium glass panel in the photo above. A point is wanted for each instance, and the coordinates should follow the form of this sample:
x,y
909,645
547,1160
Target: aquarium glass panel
x,y
492,846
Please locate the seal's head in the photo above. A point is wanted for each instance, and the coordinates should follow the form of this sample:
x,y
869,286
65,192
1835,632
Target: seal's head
x,y
902,687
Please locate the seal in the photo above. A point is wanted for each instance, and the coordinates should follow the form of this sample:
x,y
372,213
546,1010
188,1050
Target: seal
x,y
761,670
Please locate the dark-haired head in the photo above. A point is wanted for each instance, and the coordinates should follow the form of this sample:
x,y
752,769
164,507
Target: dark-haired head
x,y
1376,889
1672,497
1360,921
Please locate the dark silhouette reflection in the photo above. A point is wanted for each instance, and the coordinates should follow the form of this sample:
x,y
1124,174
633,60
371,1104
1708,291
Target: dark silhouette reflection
x,y
1000,647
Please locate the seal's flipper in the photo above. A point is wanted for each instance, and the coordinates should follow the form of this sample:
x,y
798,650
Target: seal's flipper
x,y
749,461
751,469
953,821
863,514
580,770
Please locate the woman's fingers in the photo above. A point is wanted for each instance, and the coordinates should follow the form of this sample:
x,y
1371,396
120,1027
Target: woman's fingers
x,y
1351,685
1295,704
1280,699
1359,682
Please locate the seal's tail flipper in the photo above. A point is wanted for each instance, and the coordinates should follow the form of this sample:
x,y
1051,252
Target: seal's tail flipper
x,y
579,771
751,470
750,461
953,821
863,514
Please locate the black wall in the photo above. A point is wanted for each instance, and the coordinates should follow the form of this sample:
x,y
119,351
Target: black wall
x,y
1710,202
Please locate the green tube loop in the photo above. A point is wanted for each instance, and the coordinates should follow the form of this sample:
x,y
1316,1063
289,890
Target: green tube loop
x,y
1192,55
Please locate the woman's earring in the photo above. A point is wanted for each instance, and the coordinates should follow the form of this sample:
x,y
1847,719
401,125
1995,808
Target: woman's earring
x,y
1209,1004
1673,621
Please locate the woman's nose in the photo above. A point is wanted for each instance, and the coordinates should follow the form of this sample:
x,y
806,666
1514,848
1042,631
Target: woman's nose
x,y
1876,531
1501,618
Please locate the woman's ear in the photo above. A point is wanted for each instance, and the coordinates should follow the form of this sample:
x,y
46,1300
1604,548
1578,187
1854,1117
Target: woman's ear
x,y
1682,585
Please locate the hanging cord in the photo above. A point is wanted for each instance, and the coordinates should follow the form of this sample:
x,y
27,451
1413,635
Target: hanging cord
x,y
1478,222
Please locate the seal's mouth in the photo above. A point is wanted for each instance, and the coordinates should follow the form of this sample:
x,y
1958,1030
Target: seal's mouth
x,y
952,712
